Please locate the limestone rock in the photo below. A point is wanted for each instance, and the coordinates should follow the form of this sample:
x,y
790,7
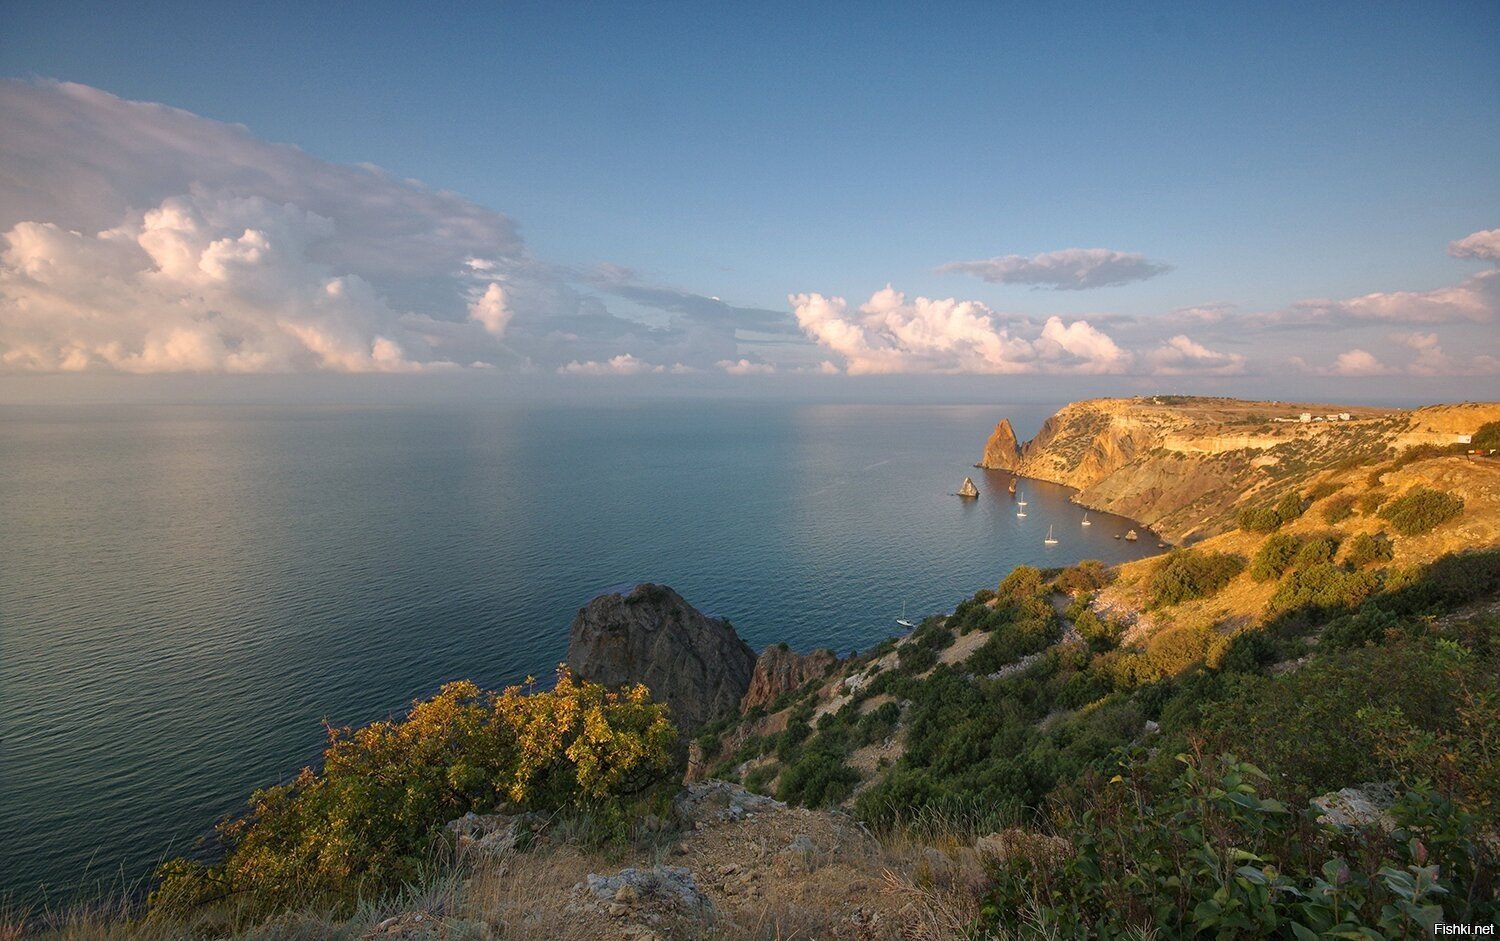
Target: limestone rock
x,y
1002,451
779,669
1363,806
492,835
710,802
660,887
696,664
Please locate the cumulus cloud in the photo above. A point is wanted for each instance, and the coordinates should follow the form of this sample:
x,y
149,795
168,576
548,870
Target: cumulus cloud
x,y
1484,244
1357,362
890,333
1181,355
1080,347
1069,269
143,238
745,367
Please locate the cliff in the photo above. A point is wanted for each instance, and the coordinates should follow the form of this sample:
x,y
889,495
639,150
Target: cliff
x,y
1181,464
1002,451
779,669
694,663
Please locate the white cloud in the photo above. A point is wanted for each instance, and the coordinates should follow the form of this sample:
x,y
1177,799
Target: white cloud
x,y
490,311
1066,269
1180,356
1357,362
891,334
623,365
744,367
1080,346
1483,244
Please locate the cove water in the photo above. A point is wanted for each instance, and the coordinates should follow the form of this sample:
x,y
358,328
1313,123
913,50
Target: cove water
x,y
188,593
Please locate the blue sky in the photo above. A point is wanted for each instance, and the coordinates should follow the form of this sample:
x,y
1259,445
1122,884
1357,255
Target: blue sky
x,y
1265,155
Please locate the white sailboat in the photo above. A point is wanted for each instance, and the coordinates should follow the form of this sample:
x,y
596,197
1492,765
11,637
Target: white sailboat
x,y
1020,512
1086,520
1051,540
1020,503
902,619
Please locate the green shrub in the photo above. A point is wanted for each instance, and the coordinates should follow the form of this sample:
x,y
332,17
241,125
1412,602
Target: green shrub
x,y
1487,437
1316,551
1421,509
818,778
1274,556
1323,489
1088,575
758,779
368,820
1187,574
1366,549
1290,506
1338,509
1174,649
1258,519
1321,590
1212,857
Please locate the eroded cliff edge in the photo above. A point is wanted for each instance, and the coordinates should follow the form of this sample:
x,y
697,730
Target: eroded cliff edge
x,y
1180,464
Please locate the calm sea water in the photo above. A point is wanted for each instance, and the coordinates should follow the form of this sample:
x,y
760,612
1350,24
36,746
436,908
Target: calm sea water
x,y
187,593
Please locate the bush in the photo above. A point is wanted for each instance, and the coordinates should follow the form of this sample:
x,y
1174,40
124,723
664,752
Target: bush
x,y
1088,575
1366,549
1338,509
1274,556
368,820
1322,590
1260,519
1421,509
1187,574
1370,503
1487,437
1324,489
1316,551
1213,857
1174,649
819,778
1290,506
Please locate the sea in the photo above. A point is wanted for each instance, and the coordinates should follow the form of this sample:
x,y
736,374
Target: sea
x,y
188,594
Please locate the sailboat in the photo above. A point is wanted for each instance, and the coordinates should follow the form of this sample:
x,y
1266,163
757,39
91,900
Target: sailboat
x,y
1086,520
1021,502
1021,512
902,619
1051,540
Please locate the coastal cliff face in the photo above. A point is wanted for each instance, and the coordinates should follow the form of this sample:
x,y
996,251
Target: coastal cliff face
x,y
779,669
1002,451
1181,464
694,663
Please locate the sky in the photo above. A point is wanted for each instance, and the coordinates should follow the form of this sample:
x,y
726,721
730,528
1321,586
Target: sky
x,y
1004,201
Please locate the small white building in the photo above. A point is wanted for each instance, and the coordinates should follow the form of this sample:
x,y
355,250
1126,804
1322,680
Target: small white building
x,y
1345,416
1305,416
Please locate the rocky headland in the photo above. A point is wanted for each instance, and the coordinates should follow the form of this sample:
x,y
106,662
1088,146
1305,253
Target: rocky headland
x,y
1180,464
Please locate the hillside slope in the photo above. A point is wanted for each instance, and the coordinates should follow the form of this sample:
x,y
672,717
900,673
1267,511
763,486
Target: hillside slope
x,y
1181,464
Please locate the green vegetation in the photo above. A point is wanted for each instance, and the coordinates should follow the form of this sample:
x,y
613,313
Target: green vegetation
x,y
1421,509
1367,549
1274,556
1487,437
372,818
1261,519
1188,574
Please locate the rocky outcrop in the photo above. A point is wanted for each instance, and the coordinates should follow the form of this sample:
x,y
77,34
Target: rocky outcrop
x,y
1002,451
696,664
779,669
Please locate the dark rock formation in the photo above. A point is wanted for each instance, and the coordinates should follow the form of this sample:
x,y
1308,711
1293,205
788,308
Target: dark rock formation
x,y
781,670
696,664
1002,451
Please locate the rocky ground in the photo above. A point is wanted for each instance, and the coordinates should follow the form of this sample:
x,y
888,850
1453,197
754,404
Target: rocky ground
x,y
730,864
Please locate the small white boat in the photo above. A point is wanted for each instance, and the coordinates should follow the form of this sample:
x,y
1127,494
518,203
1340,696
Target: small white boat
x,y
902,619
1086,520
1020,503
1020,512
1051,540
